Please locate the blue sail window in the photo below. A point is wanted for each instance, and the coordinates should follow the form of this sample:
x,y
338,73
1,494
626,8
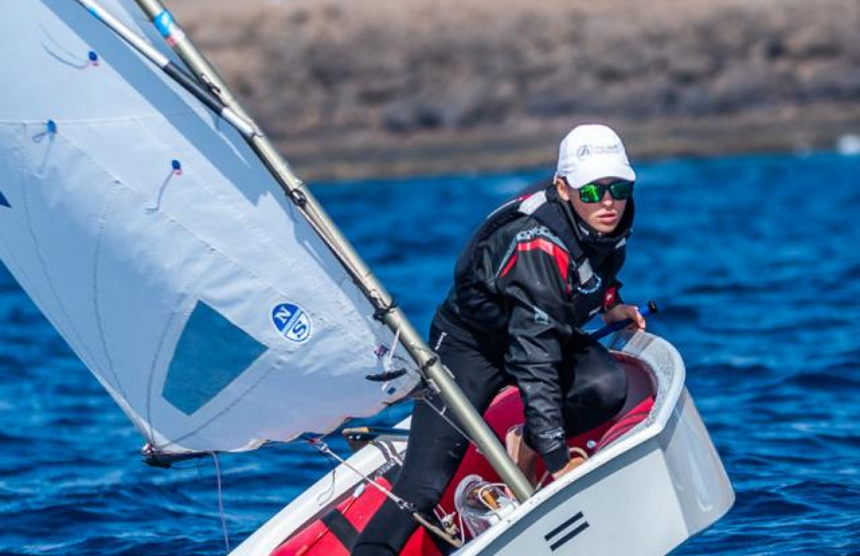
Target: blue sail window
x,y
212,352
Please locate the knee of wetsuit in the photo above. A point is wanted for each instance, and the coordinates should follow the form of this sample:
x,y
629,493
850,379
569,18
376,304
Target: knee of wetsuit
x,y
608,391
424,491
613,390
425,499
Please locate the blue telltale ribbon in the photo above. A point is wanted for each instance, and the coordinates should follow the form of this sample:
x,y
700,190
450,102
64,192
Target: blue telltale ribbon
x,y
50,131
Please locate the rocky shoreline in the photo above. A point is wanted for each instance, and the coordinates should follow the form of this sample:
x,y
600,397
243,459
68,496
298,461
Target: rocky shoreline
x,y
363,88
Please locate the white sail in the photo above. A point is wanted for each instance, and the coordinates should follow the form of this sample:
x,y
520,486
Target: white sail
x,y
163,251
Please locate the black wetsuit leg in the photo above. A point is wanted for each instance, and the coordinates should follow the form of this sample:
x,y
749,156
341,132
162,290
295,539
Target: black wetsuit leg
x,y
435,448
595,389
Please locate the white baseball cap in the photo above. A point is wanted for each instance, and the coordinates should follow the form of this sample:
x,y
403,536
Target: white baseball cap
x,y
591,152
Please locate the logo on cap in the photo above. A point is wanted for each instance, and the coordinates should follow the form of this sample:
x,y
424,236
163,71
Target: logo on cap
x,y
587,150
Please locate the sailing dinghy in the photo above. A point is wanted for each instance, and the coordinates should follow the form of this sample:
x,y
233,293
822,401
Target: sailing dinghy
x,y
653,480
162,235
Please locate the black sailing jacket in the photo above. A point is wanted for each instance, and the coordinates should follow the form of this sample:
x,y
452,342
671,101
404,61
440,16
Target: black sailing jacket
x,y
529,278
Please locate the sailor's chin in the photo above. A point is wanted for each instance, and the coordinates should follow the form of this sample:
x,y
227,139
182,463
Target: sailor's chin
x,y
604,226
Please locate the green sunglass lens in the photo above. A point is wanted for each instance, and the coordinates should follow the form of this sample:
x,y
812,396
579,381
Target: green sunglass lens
x,y
621,190
590,193
593,192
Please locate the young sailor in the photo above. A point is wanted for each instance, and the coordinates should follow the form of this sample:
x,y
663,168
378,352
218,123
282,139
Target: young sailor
x,y
537,270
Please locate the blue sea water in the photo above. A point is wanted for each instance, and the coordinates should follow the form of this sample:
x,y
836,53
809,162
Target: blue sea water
x,y
756,261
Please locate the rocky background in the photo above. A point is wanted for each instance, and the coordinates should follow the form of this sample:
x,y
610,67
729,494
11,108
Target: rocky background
x,y
358,88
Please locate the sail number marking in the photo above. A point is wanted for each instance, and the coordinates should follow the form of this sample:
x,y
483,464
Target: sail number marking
x,y
565,532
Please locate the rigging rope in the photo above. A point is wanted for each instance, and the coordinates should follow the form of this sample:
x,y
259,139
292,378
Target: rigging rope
x,y
402,504
221,503
424,398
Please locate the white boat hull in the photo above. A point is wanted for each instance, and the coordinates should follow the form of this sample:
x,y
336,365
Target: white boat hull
x,y
644,502
642,495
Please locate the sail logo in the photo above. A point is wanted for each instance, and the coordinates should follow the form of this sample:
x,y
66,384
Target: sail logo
x,y
292,322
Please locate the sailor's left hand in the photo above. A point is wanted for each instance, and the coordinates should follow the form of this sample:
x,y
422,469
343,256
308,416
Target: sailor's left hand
x,y
622,312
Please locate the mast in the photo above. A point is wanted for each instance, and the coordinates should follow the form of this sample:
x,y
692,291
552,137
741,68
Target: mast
x,y
436,375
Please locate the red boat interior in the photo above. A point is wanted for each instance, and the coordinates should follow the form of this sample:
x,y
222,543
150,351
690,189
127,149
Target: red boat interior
x,y
334,532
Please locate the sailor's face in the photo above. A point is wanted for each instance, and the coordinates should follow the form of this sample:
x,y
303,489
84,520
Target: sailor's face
x,y
604,215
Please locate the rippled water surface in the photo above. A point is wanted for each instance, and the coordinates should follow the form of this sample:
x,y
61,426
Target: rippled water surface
x,y
756,261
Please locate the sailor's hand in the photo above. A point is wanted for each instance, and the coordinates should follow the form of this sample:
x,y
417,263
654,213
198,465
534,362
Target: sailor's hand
x,y
622,312
521,453
574,462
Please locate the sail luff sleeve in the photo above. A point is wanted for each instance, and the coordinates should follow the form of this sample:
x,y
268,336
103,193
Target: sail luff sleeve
x,y
207,97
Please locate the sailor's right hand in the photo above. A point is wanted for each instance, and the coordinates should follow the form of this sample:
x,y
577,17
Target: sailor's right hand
x,y
624,312
575,461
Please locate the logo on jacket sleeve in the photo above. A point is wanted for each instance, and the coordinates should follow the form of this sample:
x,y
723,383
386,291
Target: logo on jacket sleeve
x,y
292,322
589,282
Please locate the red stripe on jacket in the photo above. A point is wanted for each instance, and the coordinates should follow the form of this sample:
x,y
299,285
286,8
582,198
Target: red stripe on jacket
x,y
559,255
